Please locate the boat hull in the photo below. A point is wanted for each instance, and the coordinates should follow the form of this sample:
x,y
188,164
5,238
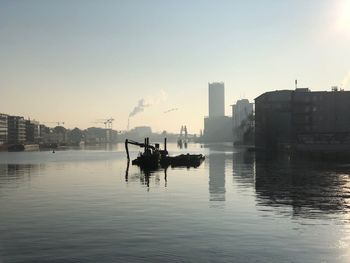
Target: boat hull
x,y
183,160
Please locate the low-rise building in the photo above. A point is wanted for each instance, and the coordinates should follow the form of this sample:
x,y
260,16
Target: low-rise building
x,y
95,135
300,118
218,129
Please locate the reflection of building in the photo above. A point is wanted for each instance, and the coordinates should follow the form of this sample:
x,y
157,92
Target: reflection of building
x,y
302,118
240,121
305,186
243,168
217,177
18,171
16,130
217,126
3,128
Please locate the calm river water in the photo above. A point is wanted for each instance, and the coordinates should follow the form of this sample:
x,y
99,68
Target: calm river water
x,y
82,206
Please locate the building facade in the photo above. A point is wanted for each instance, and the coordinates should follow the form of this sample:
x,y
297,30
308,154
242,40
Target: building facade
x,y
3,129
218,129
216,91
298,118
242,113
16,130
32,131
217,126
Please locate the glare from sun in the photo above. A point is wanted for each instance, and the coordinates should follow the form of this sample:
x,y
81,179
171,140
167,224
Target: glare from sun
x,y
343,21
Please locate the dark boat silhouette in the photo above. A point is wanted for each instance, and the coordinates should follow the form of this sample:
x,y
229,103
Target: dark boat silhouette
x,y
154,157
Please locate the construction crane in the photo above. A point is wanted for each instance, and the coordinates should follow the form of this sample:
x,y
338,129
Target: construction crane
x,y
58,123
107,122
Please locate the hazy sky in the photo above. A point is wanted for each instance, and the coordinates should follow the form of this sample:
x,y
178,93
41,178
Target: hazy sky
x,y
78,61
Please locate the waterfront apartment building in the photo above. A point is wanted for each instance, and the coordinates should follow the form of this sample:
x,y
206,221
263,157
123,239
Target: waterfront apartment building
x,y
216,99
3,128
303,119
16,130
32,131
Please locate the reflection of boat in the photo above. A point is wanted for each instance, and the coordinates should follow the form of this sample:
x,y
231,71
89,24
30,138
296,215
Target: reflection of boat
x,y
154,157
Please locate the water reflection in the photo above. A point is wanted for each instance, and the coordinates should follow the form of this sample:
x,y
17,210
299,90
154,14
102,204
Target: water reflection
x,y
16,171
243,163
217,188
182,144
14,175
312,189
80,194
144,175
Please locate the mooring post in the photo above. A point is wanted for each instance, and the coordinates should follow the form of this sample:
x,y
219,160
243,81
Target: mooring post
x,y
126,148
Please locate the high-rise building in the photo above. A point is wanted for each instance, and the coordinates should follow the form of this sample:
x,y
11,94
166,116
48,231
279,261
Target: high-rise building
x,y
3,128
217,126
216,99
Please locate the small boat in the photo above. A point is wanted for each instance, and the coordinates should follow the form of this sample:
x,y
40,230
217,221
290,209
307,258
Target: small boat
x,y
150,157
153,157
150,160
183,160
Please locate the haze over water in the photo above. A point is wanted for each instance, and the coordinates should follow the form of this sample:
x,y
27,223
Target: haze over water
x,y
80,61
79,206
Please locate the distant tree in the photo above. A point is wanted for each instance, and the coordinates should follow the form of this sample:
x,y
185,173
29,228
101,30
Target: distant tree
x,y
59,129
245,131
75,136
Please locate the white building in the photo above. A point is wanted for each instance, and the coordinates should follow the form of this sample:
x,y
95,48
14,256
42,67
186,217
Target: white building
x,y
3,128
240,113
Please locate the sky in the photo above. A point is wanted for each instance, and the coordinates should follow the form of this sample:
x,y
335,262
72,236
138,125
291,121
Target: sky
x,y
80,61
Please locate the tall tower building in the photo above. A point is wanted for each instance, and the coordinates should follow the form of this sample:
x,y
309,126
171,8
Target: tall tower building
x,y
216,99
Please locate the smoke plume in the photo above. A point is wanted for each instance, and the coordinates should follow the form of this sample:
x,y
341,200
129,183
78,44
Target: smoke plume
x,y
170,110
147,102
141,105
